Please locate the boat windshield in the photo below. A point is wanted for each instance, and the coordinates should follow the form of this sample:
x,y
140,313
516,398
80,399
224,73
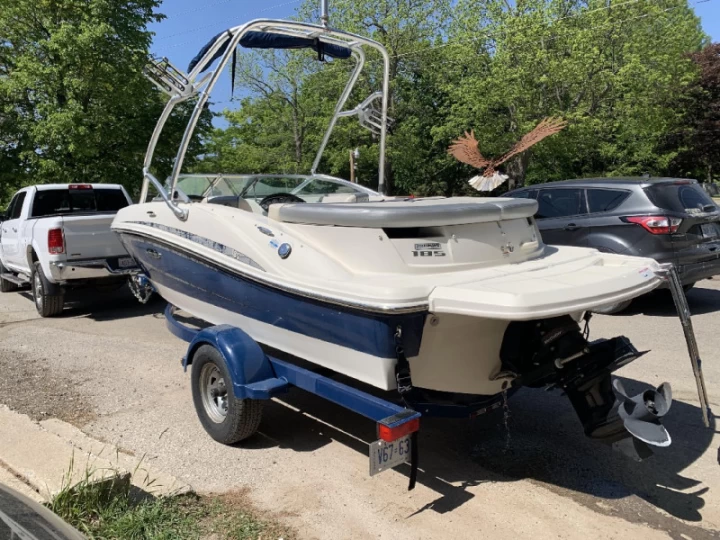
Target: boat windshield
x,y
309,188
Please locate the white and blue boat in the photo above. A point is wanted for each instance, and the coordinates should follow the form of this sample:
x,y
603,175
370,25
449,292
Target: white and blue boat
x,y
450,301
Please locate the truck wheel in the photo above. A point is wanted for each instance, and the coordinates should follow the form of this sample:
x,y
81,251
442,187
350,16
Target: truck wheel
x,y
47,305
5,285
226,419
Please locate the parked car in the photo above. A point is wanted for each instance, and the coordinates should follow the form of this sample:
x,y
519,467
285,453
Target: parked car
x,y
57,236
671,220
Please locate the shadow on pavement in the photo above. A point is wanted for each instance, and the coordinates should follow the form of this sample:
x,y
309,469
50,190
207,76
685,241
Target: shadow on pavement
x,y
106,305
544,442
660,303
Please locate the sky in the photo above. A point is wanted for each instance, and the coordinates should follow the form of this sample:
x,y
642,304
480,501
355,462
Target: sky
x,y
189,26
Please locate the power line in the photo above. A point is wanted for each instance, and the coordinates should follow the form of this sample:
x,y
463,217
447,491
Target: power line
x,y
203,8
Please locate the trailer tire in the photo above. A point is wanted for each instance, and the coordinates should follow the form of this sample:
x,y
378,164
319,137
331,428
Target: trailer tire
x,y
47,305
5,285
225,418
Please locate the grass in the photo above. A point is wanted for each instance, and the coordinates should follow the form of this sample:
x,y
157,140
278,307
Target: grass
x,y
113,509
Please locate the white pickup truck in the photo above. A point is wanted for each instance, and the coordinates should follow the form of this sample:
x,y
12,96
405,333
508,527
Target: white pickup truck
x,y
57,236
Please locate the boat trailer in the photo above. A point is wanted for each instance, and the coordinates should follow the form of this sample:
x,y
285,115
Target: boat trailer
x,y
255,376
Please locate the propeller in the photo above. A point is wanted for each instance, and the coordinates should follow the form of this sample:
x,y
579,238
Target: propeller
x,y
641,415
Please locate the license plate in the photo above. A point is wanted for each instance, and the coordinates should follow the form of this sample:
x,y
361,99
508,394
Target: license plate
x,y
126,262
386,455
709,230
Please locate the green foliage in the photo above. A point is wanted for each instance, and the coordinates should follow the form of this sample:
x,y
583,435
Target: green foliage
x,y
697,138
112,509
74,104
613,71
610,72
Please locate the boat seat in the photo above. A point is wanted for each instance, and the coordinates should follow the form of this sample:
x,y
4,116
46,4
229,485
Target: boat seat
x,y
345,198
407,213
234,201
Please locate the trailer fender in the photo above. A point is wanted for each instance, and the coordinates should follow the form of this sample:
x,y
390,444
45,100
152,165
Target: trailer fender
x,y
252,373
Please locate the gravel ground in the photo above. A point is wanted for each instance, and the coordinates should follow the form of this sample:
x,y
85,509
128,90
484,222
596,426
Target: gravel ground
x,y
111,367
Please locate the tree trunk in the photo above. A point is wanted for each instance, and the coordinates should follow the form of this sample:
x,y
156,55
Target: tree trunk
x,y
517,169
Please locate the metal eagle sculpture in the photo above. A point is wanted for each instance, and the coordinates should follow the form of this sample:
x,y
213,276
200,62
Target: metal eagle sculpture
x,y
465,149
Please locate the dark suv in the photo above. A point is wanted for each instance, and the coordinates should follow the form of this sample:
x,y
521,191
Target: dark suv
x,y
667,219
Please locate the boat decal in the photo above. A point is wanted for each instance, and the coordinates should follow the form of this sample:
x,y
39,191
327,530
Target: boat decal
x,y
206,242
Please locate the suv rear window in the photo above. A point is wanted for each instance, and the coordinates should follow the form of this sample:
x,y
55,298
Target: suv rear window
x,y
524,194
680,197
605,200
52,202
560,203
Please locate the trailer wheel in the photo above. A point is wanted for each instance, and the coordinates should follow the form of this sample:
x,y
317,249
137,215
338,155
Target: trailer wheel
x,y
48,305
226,419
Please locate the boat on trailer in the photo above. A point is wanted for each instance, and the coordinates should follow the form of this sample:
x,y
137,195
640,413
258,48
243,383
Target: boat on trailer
x,y
443,304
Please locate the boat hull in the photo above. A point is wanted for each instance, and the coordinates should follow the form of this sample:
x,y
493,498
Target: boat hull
x,y
453,353
358,344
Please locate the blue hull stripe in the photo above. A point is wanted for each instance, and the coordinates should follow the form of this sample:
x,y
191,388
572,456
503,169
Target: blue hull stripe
x,y
370,333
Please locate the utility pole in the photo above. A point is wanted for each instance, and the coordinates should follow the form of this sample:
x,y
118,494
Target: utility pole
x,y
354,154
352,166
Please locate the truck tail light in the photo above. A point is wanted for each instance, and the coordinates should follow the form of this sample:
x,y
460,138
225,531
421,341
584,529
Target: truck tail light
x,y
56,241
80,186
656,224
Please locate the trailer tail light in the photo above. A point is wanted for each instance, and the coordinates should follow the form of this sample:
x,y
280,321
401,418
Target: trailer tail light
x,y
56,242
80,186
389,433
656,224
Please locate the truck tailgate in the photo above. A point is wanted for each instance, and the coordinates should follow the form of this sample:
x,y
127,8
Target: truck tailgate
x,y
90,237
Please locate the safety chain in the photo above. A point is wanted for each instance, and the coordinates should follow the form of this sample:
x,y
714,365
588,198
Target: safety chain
x,y
140,288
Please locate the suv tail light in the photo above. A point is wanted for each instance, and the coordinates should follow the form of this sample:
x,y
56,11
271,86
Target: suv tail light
x,y
656,224
56,241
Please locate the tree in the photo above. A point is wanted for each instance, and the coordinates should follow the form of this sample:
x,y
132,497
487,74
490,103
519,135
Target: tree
x,y
612,69
601,67
699,134
72,90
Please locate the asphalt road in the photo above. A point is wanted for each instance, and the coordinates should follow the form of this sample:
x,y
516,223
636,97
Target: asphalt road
x,y
110,367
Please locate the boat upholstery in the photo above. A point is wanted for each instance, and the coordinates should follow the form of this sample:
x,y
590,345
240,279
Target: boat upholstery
x,y
234,201
345,198
407,213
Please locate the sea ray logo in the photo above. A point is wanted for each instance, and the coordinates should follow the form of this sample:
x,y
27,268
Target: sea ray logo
x,y
428,245
428,249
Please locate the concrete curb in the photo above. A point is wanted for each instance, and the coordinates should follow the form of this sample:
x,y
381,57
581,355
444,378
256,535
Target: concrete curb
x,y
42,454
